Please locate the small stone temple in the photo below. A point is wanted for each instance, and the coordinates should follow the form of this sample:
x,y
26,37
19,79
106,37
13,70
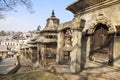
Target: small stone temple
x,y
29,50
47,41
32,46
92,35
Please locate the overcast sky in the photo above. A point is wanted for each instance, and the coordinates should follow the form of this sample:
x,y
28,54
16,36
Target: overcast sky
x,y
23,20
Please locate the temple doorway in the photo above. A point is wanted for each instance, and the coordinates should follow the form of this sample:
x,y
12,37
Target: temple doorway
x,y
101,45
66,57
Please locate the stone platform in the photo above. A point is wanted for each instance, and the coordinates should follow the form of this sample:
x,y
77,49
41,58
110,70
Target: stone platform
x,y
92,71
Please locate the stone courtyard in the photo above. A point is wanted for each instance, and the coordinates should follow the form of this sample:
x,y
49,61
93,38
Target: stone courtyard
x,y
91,37
85,48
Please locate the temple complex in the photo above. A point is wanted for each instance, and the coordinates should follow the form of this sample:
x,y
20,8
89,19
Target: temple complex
x,y
47,42
93,35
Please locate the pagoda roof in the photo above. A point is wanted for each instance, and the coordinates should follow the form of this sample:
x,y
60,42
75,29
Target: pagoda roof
x,y
46,40
31,42
28,46
82,6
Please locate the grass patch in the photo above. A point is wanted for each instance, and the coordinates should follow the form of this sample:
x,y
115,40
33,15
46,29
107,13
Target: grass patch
x,y
32,75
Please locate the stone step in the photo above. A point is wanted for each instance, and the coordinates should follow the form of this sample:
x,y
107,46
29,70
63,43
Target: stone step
x,y
112,72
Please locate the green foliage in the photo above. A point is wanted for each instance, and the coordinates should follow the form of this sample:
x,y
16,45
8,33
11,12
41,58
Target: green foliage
x,y
2,33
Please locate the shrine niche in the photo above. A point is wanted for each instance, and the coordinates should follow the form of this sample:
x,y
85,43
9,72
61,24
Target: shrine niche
x,y
101,45
101,32
67,48
101,18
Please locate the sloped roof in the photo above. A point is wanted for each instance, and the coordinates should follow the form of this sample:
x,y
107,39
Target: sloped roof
x,y
45,40
52,23
89,5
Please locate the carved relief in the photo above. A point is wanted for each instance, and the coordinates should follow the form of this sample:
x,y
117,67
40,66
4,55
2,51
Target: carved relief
x,y
101,18
67,40
101,48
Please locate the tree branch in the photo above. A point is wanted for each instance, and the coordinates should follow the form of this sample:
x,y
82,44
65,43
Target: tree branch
x,y
7,4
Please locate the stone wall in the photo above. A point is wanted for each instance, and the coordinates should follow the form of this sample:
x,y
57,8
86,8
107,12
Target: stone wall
x,y
117,51
110,13
108,16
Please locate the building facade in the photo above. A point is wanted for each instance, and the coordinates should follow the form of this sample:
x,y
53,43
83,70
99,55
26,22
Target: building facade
x,y
94,33
42,47
47,42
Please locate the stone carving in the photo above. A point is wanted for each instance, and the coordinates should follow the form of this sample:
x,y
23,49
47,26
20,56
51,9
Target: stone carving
x,y
101,18
76,23
68,40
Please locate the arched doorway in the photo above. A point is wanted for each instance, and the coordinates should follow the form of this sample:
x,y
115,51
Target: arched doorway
x,y
101,45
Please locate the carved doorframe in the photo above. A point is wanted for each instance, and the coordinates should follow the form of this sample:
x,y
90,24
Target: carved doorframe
x,y
101,43
101,19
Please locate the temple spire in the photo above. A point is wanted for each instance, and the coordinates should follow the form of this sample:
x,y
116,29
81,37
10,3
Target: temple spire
x,y
38,28
53,14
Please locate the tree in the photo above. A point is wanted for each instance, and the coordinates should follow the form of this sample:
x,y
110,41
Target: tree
x,y
2,33
8,5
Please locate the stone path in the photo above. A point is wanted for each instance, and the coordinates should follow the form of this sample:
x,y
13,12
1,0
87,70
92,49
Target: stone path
x,y
98,70
92,71
6,65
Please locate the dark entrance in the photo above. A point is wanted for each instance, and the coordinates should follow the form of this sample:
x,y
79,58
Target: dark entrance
x,y
66,57
101,47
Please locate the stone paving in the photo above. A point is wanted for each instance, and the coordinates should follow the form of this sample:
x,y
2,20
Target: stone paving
x,y
102,71
92,71
6,65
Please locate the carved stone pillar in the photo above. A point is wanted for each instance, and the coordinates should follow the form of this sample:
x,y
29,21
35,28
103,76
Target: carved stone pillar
x,y
30,53
38,53
25,51
117,48
42,53
78,25
76,52
59,47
